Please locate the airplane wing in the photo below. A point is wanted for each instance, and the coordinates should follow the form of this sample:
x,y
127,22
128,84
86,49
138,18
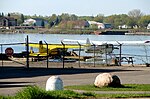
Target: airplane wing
x,y
90,42
38,54
52,48
55,46
121,42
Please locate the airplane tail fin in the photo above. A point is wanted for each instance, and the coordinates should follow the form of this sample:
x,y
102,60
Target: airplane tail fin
x,y
88,43
41,48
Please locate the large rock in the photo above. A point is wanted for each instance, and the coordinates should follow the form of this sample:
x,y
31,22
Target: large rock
x,y
54,83
107,79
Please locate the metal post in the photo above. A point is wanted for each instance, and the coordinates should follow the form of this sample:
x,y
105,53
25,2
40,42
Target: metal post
x,y
79,52
2,54
47,52
63,53
94,53
47,55
27,50
120,54
106,53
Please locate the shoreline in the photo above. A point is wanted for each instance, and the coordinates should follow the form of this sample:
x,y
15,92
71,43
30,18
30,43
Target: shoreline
x,y
138,33
78,31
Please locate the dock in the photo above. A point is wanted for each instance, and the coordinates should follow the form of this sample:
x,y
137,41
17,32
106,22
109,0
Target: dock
x,y
138,33
111,32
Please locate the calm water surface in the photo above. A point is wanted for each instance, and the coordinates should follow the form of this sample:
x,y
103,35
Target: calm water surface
x,y
139,51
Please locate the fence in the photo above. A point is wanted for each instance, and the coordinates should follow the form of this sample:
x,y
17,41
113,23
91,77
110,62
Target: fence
x,y
27,61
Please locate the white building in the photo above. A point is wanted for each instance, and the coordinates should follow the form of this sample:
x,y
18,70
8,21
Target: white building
x,y
100,25
148,26
104,26
123,26
29,22
92,22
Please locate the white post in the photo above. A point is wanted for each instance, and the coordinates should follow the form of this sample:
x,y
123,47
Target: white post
x,y
54,83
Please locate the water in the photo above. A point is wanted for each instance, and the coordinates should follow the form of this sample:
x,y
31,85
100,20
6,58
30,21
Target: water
x,y
138,52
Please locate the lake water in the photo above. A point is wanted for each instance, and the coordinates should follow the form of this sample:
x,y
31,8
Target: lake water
x,y
138,52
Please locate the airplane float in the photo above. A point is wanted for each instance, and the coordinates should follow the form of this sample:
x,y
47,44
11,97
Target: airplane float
x,y
105,46
53,49
108,42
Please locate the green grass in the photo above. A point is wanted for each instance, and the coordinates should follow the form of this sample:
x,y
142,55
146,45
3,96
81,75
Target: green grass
x,y
37,93
34,92
125,87
123,95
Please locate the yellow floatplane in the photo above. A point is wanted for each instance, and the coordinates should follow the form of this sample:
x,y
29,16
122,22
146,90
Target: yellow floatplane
x,y
51,49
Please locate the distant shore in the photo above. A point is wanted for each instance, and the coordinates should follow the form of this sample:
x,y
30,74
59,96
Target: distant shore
x,y
77,31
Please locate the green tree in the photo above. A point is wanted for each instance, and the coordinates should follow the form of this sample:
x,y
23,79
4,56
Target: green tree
x,y
73,17
19,22
99,18
2,14
22,18
135,16
120,20
8,15
131,22
42,23
110,19
65,16
86,18
53,17
144,21
52,20
57,21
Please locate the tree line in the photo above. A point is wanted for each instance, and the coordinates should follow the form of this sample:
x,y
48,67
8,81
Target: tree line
x,y
133,18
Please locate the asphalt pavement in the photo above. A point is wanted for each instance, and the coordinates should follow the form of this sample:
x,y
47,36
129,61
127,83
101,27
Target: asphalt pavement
x,y
14,78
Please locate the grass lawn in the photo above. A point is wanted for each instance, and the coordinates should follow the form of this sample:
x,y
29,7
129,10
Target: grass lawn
x,y
34,92
125,87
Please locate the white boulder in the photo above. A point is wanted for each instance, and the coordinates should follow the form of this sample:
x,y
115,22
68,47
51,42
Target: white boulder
x,y
54,83
107,79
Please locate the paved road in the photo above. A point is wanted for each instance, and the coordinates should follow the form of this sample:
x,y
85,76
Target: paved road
x,y
13,79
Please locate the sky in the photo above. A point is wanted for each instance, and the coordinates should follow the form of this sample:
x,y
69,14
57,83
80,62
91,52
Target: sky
x,y
77,7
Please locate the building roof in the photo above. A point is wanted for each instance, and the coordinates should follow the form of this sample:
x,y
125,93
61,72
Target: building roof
x,y
29,21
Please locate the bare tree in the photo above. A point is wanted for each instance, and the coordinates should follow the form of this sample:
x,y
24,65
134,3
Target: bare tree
x,y
136,13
